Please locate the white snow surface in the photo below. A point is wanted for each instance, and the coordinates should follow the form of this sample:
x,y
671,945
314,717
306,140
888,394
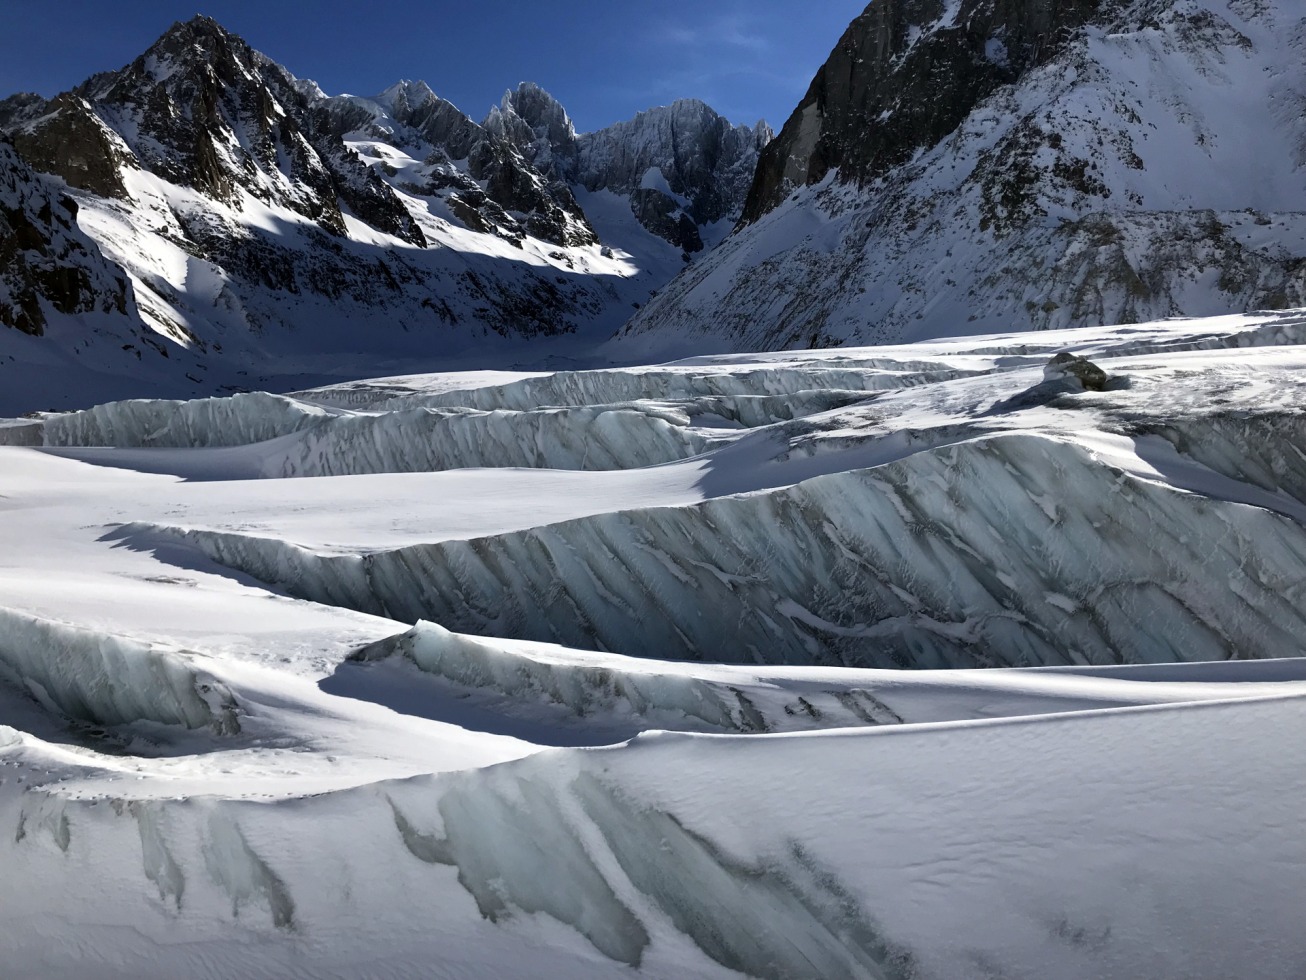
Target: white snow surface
x,y
317,686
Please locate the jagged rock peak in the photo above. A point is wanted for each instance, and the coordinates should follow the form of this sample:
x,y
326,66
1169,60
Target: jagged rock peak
x,y
535,123
406,95
543,113
903,76
190,44
694,151
204,110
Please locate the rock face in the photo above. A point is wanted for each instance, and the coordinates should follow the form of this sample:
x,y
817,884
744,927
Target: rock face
x,y
46,263
18,109
67,137
676,162
903,76
984,165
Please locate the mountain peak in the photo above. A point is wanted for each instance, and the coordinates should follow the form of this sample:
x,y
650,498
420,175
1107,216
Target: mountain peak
x,y
405,93
200,29
542,113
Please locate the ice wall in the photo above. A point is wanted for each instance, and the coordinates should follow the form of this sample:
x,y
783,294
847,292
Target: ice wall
x,y
422,440
797,384
1015,549
107,680
207,422
288,438
614,689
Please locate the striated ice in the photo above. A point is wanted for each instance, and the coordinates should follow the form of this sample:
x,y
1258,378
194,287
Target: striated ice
x,y
110,680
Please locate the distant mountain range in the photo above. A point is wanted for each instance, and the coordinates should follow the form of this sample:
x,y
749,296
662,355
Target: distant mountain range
x,y
236,227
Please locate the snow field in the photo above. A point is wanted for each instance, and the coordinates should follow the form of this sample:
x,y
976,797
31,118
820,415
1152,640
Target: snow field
x,y
509,716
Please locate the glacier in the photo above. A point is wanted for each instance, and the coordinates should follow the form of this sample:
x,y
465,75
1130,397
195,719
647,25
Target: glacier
x,y
653,669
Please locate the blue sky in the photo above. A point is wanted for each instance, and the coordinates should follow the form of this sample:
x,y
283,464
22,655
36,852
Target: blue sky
x,y
604,60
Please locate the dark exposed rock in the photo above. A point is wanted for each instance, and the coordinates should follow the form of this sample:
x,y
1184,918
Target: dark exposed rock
x,y
663,216
515,200
696,151
535,122
1069,366
19,109
899,80
527,157
686,147
70,140
516,186
44,259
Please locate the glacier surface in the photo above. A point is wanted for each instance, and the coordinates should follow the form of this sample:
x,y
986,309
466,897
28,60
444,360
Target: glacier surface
x,y
649,670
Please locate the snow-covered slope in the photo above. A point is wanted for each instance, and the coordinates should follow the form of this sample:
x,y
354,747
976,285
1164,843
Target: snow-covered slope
x,y
972,166
211,765
253,725
274,237
63,305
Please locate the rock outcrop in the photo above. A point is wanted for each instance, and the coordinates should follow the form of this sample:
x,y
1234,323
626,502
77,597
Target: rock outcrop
x,y
1080,370
46,264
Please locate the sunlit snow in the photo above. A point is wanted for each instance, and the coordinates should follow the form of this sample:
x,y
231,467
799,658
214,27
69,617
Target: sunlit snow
x,y
579,673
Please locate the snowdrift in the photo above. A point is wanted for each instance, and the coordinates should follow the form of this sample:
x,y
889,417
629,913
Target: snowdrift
x,y
649,694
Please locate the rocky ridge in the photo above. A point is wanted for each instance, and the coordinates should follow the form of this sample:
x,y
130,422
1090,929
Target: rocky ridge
x,y
272,235
683,166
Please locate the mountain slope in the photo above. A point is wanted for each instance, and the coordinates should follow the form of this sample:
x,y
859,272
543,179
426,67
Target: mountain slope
x,y
275,237
67,314
982,164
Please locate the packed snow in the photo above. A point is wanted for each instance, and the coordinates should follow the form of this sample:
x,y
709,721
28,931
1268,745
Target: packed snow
x,y
648,671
